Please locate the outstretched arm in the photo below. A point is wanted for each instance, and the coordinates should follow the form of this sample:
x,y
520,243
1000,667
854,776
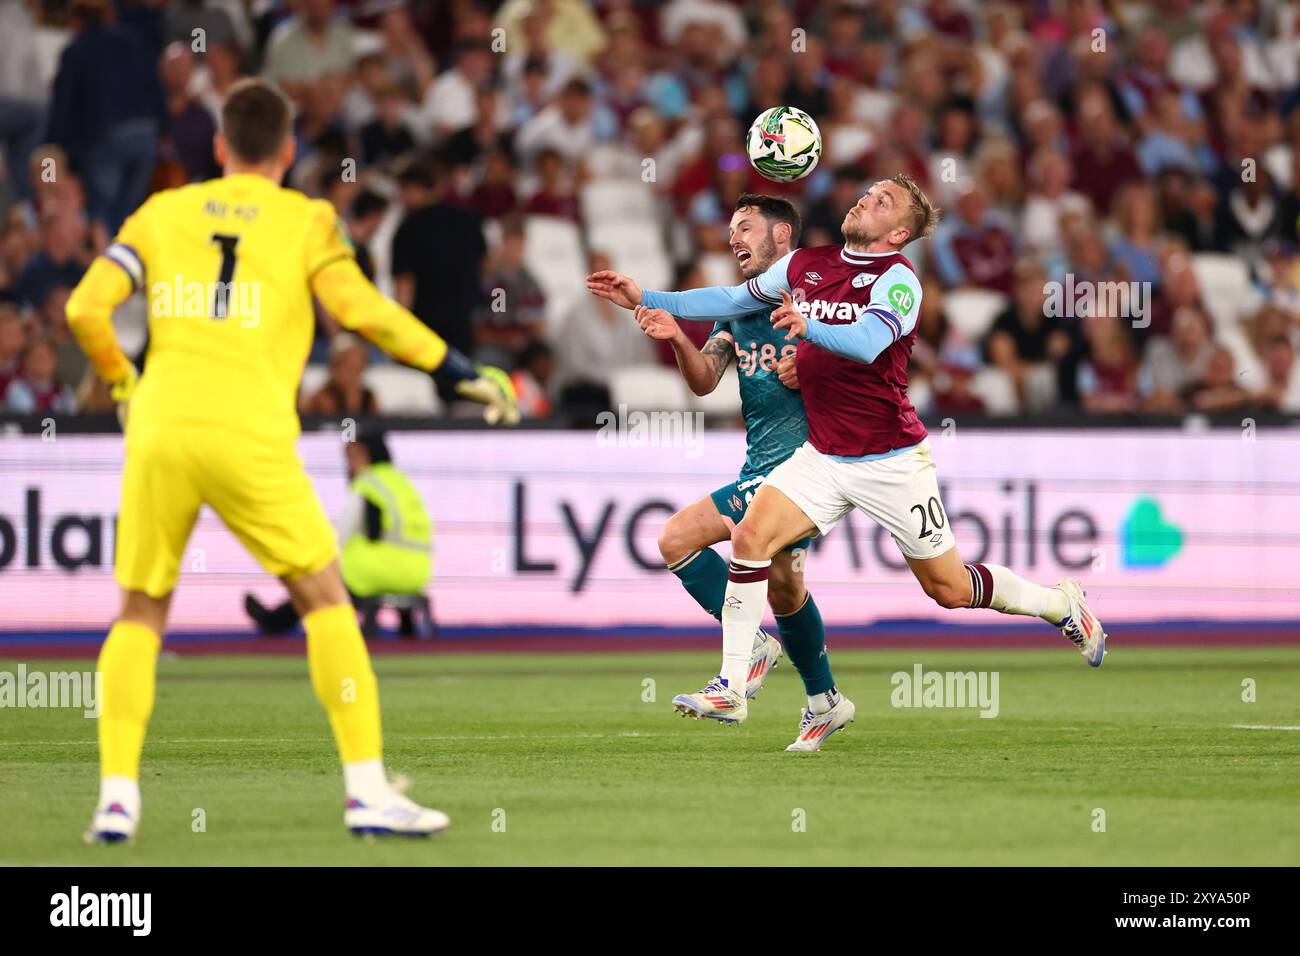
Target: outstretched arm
x,y
701,368
726,302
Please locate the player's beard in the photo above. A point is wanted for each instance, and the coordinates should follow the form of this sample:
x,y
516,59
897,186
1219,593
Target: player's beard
x,y
855,235
761,259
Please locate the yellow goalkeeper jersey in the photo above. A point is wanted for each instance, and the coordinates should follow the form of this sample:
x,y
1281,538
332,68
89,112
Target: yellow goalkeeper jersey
x,y
228,269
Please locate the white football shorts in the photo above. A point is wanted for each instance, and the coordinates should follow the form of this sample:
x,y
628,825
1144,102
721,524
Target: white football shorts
x,y
900,493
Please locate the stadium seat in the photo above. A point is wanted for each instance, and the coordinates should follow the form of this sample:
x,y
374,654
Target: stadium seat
x,y
973,311
996,390
637,248
612,160
723,401
612,200
400,390
1226,288
554,256
649,388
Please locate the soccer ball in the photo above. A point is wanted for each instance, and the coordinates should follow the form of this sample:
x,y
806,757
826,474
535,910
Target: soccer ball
x,y
784,144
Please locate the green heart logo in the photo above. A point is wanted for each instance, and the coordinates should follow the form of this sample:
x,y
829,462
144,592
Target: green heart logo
x,y
1147,540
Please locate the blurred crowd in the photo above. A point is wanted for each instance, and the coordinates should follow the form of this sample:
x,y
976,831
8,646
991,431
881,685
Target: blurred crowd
x,y
487,155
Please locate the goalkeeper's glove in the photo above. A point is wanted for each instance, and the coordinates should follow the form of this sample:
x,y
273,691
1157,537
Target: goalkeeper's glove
x,y
121,392
485,384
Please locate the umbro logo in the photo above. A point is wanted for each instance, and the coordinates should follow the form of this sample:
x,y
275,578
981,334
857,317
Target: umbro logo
x,y
863,279
812,277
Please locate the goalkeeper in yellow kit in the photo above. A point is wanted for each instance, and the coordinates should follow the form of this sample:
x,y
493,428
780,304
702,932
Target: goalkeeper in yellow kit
x,y
229,268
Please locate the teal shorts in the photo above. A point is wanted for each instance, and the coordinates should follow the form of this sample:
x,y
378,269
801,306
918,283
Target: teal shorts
x,y
733,500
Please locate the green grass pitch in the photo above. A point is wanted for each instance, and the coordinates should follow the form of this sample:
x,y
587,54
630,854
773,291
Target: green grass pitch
x,y
557,759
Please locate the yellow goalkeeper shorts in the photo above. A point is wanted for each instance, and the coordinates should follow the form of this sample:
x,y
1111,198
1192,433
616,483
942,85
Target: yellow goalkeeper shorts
x,y
257,487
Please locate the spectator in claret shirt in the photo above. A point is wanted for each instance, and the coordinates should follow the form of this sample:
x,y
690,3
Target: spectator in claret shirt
x,y
37,388
1108,374
976,246
555,195
1102,160
495,196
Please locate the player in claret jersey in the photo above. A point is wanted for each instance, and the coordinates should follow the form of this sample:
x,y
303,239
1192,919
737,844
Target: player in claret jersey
x,y
853,308
762,230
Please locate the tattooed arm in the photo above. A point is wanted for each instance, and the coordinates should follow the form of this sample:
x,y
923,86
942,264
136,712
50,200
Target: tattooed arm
x,y
702,368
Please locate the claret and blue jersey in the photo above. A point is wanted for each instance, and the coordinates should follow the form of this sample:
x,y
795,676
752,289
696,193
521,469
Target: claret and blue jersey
x,y
862,310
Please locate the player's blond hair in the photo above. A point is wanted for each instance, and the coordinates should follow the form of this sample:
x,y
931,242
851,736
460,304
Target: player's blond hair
x,y
923,215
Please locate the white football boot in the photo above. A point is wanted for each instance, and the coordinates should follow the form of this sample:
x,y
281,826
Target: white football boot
x,y
767,652
815,728
1080,625
113,823
392,814
716,701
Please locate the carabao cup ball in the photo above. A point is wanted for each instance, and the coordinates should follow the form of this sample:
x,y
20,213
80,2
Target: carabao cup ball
x,y
784,144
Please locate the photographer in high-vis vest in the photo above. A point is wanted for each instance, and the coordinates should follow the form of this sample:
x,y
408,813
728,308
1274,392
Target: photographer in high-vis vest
x,y
385,535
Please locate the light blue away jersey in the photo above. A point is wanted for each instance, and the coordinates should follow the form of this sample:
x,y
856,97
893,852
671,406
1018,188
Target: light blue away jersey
x,y
774,418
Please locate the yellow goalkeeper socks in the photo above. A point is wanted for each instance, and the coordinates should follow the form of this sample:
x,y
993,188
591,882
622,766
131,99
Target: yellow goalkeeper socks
x,y
344,681
128,664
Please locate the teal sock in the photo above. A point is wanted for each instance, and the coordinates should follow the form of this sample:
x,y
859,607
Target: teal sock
x,y
804,637
704,575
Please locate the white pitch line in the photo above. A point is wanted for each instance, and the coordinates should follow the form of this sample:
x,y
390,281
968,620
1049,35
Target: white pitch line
x,y
1262,727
